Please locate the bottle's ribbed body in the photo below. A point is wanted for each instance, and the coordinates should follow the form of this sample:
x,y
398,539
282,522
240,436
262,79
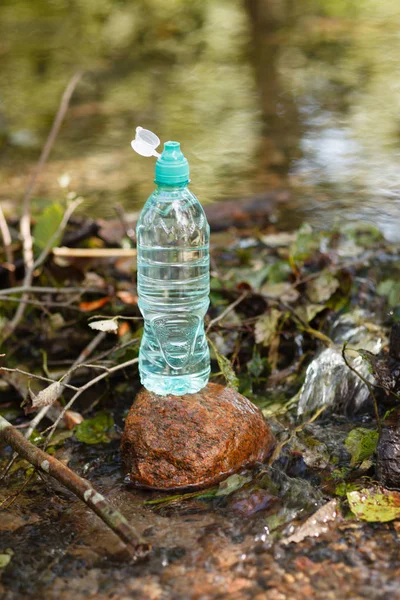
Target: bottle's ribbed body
x,y
173,289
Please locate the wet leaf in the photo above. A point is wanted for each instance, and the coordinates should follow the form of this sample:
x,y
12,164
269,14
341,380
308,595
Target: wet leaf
x,y
361,443
226,368
375,504
108,325
95,431
95,304
316,524
233,483
46,226
322,287
267,326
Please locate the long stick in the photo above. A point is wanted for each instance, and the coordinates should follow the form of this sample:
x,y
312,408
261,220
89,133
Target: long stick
x,y
138,547
25,223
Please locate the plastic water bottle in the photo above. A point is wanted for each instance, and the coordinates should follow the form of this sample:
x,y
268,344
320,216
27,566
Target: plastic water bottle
x,y
173,267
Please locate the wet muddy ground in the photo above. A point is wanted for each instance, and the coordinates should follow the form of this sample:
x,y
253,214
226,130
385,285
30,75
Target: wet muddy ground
x,y
201,548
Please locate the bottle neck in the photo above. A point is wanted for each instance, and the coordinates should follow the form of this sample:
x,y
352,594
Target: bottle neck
x,y
162,187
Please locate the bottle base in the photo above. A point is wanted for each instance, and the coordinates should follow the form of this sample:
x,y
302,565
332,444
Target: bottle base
x,y
177,385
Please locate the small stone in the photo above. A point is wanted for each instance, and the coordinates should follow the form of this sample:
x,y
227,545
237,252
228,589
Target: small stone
x,y
192,441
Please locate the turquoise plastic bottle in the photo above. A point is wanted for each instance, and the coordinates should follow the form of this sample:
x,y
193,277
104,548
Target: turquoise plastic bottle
x,y
173,281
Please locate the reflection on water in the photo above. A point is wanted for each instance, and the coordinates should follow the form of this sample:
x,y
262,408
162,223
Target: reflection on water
x,y
261,93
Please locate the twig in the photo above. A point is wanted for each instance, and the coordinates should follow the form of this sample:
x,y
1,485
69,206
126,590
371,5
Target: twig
x,y
25,223
367,383
303,325
44,305
65,379
7,241
43,411
278,449
87,385
64,251
40,377
227,310
49,465
8,330
36,289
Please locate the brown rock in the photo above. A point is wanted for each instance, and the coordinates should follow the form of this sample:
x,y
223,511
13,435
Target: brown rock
x,y
191,441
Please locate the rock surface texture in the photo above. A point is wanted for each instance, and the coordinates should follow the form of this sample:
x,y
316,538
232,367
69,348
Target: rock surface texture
x,y
192,441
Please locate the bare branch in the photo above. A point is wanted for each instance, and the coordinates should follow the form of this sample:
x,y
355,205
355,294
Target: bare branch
x,y
7,241
49,465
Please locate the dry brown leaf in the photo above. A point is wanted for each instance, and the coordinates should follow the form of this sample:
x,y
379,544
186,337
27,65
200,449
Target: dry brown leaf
x,y
95,304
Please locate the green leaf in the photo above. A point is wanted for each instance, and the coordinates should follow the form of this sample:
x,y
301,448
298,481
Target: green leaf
x,y
361,443
375,504
308,312
226,368
390,288
267,327
95,431
322,287
257,364
306,244
4,560
46,226
233,483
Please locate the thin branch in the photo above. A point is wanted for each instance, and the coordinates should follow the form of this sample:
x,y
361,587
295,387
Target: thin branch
x,y
227,310
43,411
40,377
65,379
87,385
49,465
25,223
7,241
36,289
44,305
278,449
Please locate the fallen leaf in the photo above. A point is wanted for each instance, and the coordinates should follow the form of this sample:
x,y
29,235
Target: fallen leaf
x,y
108,325
71,419
284,291
4,560
375,504
309,311
361,443
123,329
226,368
127,297
95,304
266,327
96,430
232,483
316,524
45,397
322,287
